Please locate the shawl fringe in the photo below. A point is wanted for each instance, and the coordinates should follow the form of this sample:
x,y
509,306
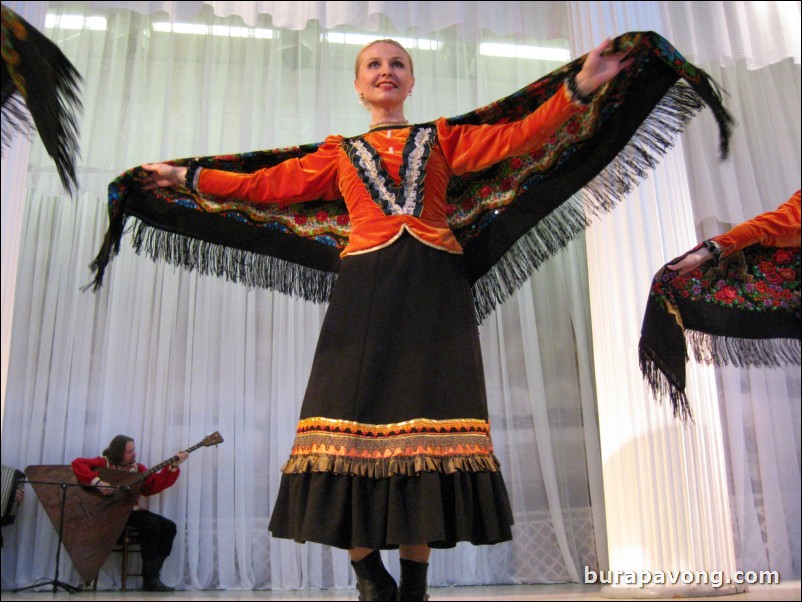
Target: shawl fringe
x,y
38,76
734,351
379,468
661,385
235,265
717,351
16,120
108,250
642,153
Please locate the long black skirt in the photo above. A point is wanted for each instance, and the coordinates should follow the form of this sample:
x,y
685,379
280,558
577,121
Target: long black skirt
x,y
393,444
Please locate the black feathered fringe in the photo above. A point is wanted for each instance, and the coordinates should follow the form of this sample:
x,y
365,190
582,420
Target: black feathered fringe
x,y
733,351
642,153
16,120
662,386
717,351
713,95
54,106
235,265
43,78
108,250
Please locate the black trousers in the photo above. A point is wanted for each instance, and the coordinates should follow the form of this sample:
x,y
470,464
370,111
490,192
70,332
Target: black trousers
x,y
156,533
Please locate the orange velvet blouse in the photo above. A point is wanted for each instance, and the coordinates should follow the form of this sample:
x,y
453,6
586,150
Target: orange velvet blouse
x,y
329,173
778,228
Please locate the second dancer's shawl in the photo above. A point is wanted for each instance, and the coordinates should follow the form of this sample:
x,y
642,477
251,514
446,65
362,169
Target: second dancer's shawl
x,y
39,83
743,311
509,218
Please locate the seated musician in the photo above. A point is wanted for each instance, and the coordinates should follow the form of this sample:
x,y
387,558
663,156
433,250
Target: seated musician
x,y
156,533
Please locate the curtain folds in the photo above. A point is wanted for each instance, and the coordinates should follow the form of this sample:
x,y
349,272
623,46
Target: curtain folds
x,y
759,408
167,356
758,33
541,20
752,49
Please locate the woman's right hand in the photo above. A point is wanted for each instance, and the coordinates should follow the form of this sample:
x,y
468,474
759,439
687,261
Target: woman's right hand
x,y
163,175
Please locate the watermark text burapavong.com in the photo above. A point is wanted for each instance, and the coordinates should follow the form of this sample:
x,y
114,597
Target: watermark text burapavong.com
x,y
642,578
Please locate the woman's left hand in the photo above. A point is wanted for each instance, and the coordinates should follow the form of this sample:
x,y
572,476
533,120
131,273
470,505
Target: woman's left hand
x,y
599,68
691,261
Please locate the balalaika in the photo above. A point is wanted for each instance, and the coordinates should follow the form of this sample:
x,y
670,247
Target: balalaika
x,y
11,484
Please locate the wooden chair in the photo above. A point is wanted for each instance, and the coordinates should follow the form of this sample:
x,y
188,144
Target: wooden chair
x,y
126,545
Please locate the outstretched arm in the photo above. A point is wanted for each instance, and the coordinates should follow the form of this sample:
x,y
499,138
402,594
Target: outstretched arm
x,y
778,228
309,177
474,147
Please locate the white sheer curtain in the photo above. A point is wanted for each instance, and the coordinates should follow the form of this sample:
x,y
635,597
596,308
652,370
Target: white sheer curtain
x,y
166,356
752,49
756,58
541,20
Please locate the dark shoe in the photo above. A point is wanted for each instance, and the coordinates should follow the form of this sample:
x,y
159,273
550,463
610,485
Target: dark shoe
x,y
151,569
372,579
154,584
413,580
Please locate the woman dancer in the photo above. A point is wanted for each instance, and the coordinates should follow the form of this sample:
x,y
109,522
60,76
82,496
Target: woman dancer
x,y
393,446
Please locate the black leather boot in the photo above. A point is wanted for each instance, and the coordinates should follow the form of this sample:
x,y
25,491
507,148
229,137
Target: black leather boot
x,y
372,579
413,580
151,569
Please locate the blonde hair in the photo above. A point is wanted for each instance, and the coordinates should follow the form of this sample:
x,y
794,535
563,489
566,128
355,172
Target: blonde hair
x,y
384,41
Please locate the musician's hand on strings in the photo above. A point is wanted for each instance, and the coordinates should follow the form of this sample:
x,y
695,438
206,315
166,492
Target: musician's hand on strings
x,y
182,457
20,495
104,488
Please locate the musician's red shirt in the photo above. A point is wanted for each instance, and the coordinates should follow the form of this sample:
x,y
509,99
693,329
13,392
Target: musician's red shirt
x,y
84,469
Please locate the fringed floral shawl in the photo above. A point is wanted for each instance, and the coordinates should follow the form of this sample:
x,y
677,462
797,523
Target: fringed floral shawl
x,y
744,311
509,218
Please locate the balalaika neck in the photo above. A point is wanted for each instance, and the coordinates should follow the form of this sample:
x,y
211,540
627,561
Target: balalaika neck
x,y
141,476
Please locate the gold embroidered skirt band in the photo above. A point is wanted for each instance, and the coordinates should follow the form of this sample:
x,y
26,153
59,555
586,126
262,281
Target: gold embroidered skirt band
x,y
383,450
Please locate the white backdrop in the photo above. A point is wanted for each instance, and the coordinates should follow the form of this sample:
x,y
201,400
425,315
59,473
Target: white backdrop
x,y
745,46
166,356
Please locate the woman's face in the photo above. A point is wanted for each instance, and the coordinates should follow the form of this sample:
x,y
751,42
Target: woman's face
x,y
384,78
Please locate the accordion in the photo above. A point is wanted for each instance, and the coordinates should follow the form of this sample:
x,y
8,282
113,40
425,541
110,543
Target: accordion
x,y
11,478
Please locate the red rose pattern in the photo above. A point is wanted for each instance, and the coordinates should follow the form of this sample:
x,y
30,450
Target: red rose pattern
x,y
773,283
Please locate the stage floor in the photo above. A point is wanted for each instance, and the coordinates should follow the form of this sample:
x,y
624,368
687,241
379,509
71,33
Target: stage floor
x,y
785,591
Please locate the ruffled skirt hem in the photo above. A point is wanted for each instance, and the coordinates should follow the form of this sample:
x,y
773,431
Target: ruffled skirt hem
x,y
348,511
